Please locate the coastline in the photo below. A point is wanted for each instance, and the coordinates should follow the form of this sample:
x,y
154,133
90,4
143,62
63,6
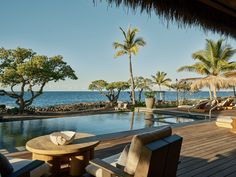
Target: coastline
x,y
50,115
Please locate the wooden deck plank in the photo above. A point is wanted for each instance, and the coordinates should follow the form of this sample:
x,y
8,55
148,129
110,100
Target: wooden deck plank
x,y
206,151
211,165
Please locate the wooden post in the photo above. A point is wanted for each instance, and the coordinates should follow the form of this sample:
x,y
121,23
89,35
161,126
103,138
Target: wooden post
x,y
233,130
78,163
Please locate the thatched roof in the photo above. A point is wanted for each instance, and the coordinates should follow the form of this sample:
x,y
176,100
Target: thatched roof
x,y
230,74
213,82
215,15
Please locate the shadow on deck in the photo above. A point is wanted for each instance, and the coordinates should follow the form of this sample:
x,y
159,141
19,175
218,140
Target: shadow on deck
x,y
206,151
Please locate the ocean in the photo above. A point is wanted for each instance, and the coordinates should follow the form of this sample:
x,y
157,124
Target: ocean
x,y
50,98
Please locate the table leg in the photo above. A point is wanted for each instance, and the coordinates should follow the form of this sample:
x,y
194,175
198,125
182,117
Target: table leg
x,y
56,166
78,163
91,154
54,162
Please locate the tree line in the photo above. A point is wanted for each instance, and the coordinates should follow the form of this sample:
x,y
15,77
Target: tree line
x,y
23,70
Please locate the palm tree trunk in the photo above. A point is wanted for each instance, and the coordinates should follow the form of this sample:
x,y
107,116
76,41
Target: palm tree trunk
x,y
210,94
131,121
234,91
132,80
140,95
160,94
214,92
177,97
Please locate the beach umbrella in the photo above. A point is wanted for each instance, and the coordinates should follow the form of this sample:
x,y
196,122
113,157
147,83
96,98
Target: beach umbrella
x,y
213,82
231,74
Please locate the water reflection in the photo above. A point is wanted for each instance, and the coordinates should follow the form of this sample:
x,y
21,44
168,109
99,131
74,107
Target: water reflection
x,y
148,119
13,134
131,120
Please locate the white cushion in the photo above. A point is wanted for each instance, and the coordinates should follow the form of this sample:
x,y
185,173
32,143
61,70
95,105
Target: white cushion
x,y
37,172
185,106
224,119
123,157
95,171
117,160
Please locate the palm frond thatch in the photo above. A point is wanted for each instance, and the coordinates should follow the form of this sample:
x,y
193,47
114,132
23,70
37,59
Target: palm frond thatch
x,y
213,82
189,12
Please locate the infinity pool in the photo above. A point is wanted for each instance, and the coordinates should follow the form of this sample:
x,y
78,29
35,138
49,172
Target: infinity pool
x,y
17,133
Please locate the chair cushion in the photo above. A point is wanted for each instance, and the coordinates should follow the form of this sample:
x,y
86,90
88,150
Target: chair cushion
x,y
5,166
123,157
37,172
138,142
95,171
117,160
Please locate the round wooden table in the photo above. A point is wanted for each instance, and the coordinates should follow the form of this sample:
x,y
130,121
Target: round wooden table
x,y
80,151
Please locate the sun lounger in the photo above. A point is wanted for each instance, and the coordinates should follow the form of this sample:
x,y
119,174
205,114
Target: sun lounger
x,y
121,106
195,108
226,104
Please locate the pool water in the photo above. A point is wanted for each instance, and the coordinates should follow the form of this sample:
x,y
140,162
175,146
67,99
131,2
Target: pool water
x,y
17,133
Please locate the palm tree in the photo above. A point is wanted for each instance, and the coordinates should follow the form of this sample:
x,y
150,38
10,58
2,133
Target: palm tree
x,y
213,60
161,80
129,47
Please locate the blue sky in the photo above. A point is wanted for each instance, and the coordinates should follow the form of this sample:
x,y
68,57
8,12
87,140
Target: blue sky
x,y
83,34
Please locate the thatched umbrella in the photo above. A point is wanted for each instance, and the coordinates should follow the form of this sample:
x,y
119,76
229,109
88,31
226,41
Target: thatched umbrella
x,y
213,82
231,74
218,15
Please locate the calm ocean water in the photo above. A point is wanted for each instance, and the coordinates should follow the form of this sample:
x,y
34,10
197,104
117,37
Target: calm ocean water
x,y
67,97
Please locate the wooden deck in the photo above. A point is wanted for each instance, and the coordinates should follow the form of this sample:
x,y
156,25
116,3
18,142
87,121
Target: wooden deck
x,y
206,151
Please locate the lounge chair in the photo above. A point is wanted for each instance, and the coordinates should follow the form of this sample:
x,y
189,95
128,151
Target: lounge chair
x,y
152,154
121,106
125,106
225,104
25,168
200,107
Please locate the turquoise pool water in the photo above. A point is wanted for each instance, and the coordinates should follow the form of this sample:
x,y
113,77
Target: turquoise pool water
x,y
17,133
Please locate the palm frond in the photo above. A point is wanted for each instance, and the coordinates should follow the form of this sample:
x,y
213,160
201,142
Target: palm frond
x,y
227,53
134,49
190,68
117,45
140,41
120,53
201,56
124,34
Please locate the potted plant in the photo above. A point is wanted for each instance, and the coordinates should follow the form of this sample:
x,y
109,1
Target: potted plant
x,y
150,99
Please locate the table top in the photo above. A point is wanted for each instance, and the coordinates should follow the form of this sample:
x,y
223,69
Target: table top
x,y
44,146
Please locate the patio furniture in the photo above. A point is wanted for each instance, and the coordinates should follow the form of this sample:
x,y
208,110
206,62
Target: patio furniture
x,y
76,155
152,154
225,104
23,168
196,108
224,121
121,106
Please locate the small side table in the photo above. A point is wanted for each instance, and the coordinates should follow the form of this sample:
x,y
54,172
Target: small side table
x,y
80,151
